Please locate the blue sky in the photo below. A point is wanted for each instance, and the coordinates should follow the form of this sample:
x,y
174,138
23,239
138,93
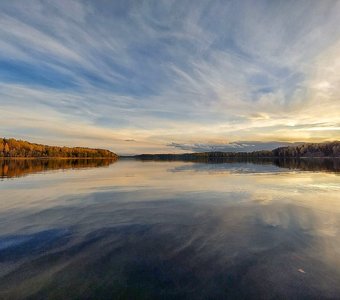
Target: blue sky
x,y
170,76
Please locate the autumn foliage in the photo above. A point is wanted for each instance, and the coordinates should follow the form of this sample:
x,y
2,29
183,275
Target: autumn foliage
x,y
18,148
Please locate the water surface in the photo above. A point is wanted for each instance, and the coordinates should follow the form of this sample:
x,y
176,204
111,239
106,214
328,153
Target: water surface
x,y
169,230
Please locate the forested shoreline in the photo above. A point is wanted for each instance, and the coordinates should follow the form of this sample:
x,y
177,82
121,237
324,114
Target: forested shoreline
x,y
18,148
329,149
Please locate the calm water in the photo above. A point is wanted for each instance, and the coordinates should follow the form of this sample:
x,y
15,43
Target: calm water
x,y
169,230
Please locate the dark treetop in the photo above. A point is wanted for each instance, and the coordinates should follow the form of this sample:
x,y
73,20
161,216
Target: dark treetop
x,y
329,149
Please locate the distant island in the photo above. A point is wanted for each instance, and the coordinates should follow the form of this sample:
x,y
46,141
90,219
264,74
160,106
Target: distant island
x,y
17,148
311,150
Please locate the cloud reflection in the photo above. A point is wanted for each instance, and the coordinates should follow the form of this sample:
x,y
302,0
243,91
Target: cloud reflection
x,y
138,229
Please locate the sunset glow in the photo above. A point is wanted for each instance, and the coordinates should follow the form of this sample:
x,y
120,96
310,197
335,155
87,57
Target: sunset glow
x,y
170,76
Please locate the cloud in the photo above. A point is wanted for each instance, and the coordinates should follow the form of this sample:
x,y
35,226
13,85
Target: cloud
x,y
160,71
240,146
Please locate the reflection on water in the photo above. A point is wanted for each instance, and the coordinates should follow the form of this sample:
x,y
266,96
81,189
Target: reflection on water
x,y
317,164
21,167
305,164
171,230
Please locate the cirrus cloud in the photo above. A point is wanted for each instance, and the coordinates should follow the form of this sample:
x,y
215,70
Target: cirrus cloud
x,y
193,73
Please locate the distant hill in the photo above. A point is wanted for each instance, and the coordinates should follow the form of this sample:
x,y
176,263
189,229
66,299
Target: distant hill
x,y
18,148
329,149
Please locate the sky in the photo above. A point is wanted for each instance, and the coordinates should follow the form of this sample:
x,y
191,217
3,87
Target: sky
x,y
170,76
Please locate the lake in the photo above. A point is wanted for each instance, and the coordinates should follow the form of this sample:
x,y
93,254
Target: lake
x,y
76,229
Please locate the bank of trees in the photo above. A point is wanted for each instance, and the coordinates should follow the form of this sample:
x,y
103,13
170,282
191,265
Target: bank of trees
x,y
330,149
206,156
18,148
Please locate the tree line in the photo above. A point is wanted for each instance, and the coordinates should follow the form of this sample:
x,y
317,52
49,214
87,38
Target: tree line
x,y
329,149
18,148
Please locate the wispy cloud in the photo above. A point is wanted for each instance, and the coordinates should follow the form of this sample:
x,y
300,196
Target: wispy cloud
x,y
246,146
203,73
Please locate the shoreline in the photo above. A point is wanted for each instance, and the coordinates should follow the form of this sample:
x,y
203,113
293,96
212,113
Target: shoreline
x,y
61,158
139,157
